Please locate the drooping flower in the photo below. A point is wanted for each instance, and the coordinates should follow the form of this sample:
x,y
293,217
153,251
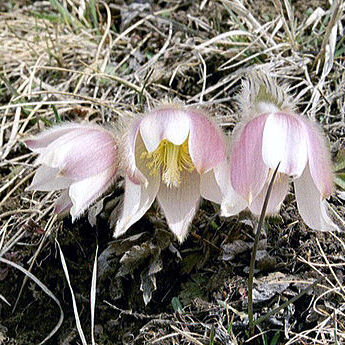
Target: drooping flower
x,y
81,160
272,132
173,154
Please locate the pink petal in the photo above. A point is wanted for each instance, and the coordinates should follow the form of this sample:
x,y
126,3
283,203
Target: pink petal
x,y
83,193
138,199
284,141
278,194
312,207
168,123
47,179
63,203
54,154
247,169
179,204
206,142
319,160
209,188
45,138
231,202
89,155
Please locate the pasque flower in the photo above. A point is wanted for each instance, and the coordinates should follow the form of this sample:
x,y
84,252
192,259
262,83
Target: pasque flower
x,y
81,160
173,154
272,132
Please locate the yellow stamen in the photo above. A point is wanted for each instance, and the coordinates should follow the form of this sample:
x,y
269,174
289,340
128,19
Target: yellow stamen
x,y
169,160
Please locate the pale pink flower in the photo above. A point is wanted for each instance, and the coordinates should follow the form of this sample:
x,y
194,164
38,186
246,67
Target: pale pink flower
x,y
271,133
81,160
173,154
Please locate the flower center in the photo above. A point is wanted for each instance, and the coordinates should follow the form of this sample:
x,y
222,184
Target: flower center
x,y
169,160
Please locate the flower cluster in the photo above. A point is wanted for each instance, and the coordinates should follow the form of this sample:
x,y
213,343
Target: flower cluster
x,y
177,155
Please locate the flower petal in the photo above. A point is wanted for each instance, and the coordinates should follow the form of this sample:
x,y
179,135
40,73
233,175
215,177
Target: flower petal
x,y
138,199
278,194
138,196
47,179
209,188
231,203
84,192
54,154
168,123
207,146
97,153
284,141
63,203
134,139
247,169
179,204
319,160
312,207
42,140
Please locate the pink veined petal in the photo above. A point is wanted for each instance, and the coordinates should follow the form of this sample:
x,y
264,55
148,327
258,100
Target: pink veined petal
x,y
168,123
319,160
89,155
284,141
179,204
231,202
47,179
63,203
207,146
311,206
209,188
55,153
278,194
247,169
42,140
84,192
138,199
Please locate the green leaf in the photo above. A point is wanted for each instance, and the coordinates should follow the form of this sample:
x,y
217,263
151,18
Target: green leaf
x,y
339,180
275,338
176,304
340,161
68,17
212,335
56,114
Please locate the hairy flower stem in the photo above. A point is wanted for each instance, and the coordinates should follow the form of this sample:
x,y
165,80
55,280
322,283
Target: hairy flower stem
x,y
255,248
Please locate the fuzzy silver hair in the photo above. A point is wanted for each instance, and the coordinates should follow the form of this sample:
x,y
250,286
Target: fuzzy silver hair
x,y
262,93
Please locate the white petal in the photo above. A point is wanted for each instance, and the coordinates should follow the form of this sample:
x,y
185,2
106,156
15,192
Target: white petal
x,y
231,203
179,204
83,193
278,194
138,199
47,179
209,188
138,196
311,206
319,159
63,203
285,141
168,123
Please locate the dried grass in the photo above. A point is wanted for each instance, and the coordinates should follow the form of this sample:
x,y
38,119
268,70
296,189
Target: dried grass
x,y
84,68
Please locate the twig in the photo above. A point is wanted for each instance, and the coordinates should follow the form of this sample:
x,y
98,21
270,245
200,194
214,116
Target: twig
x,y
255,247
